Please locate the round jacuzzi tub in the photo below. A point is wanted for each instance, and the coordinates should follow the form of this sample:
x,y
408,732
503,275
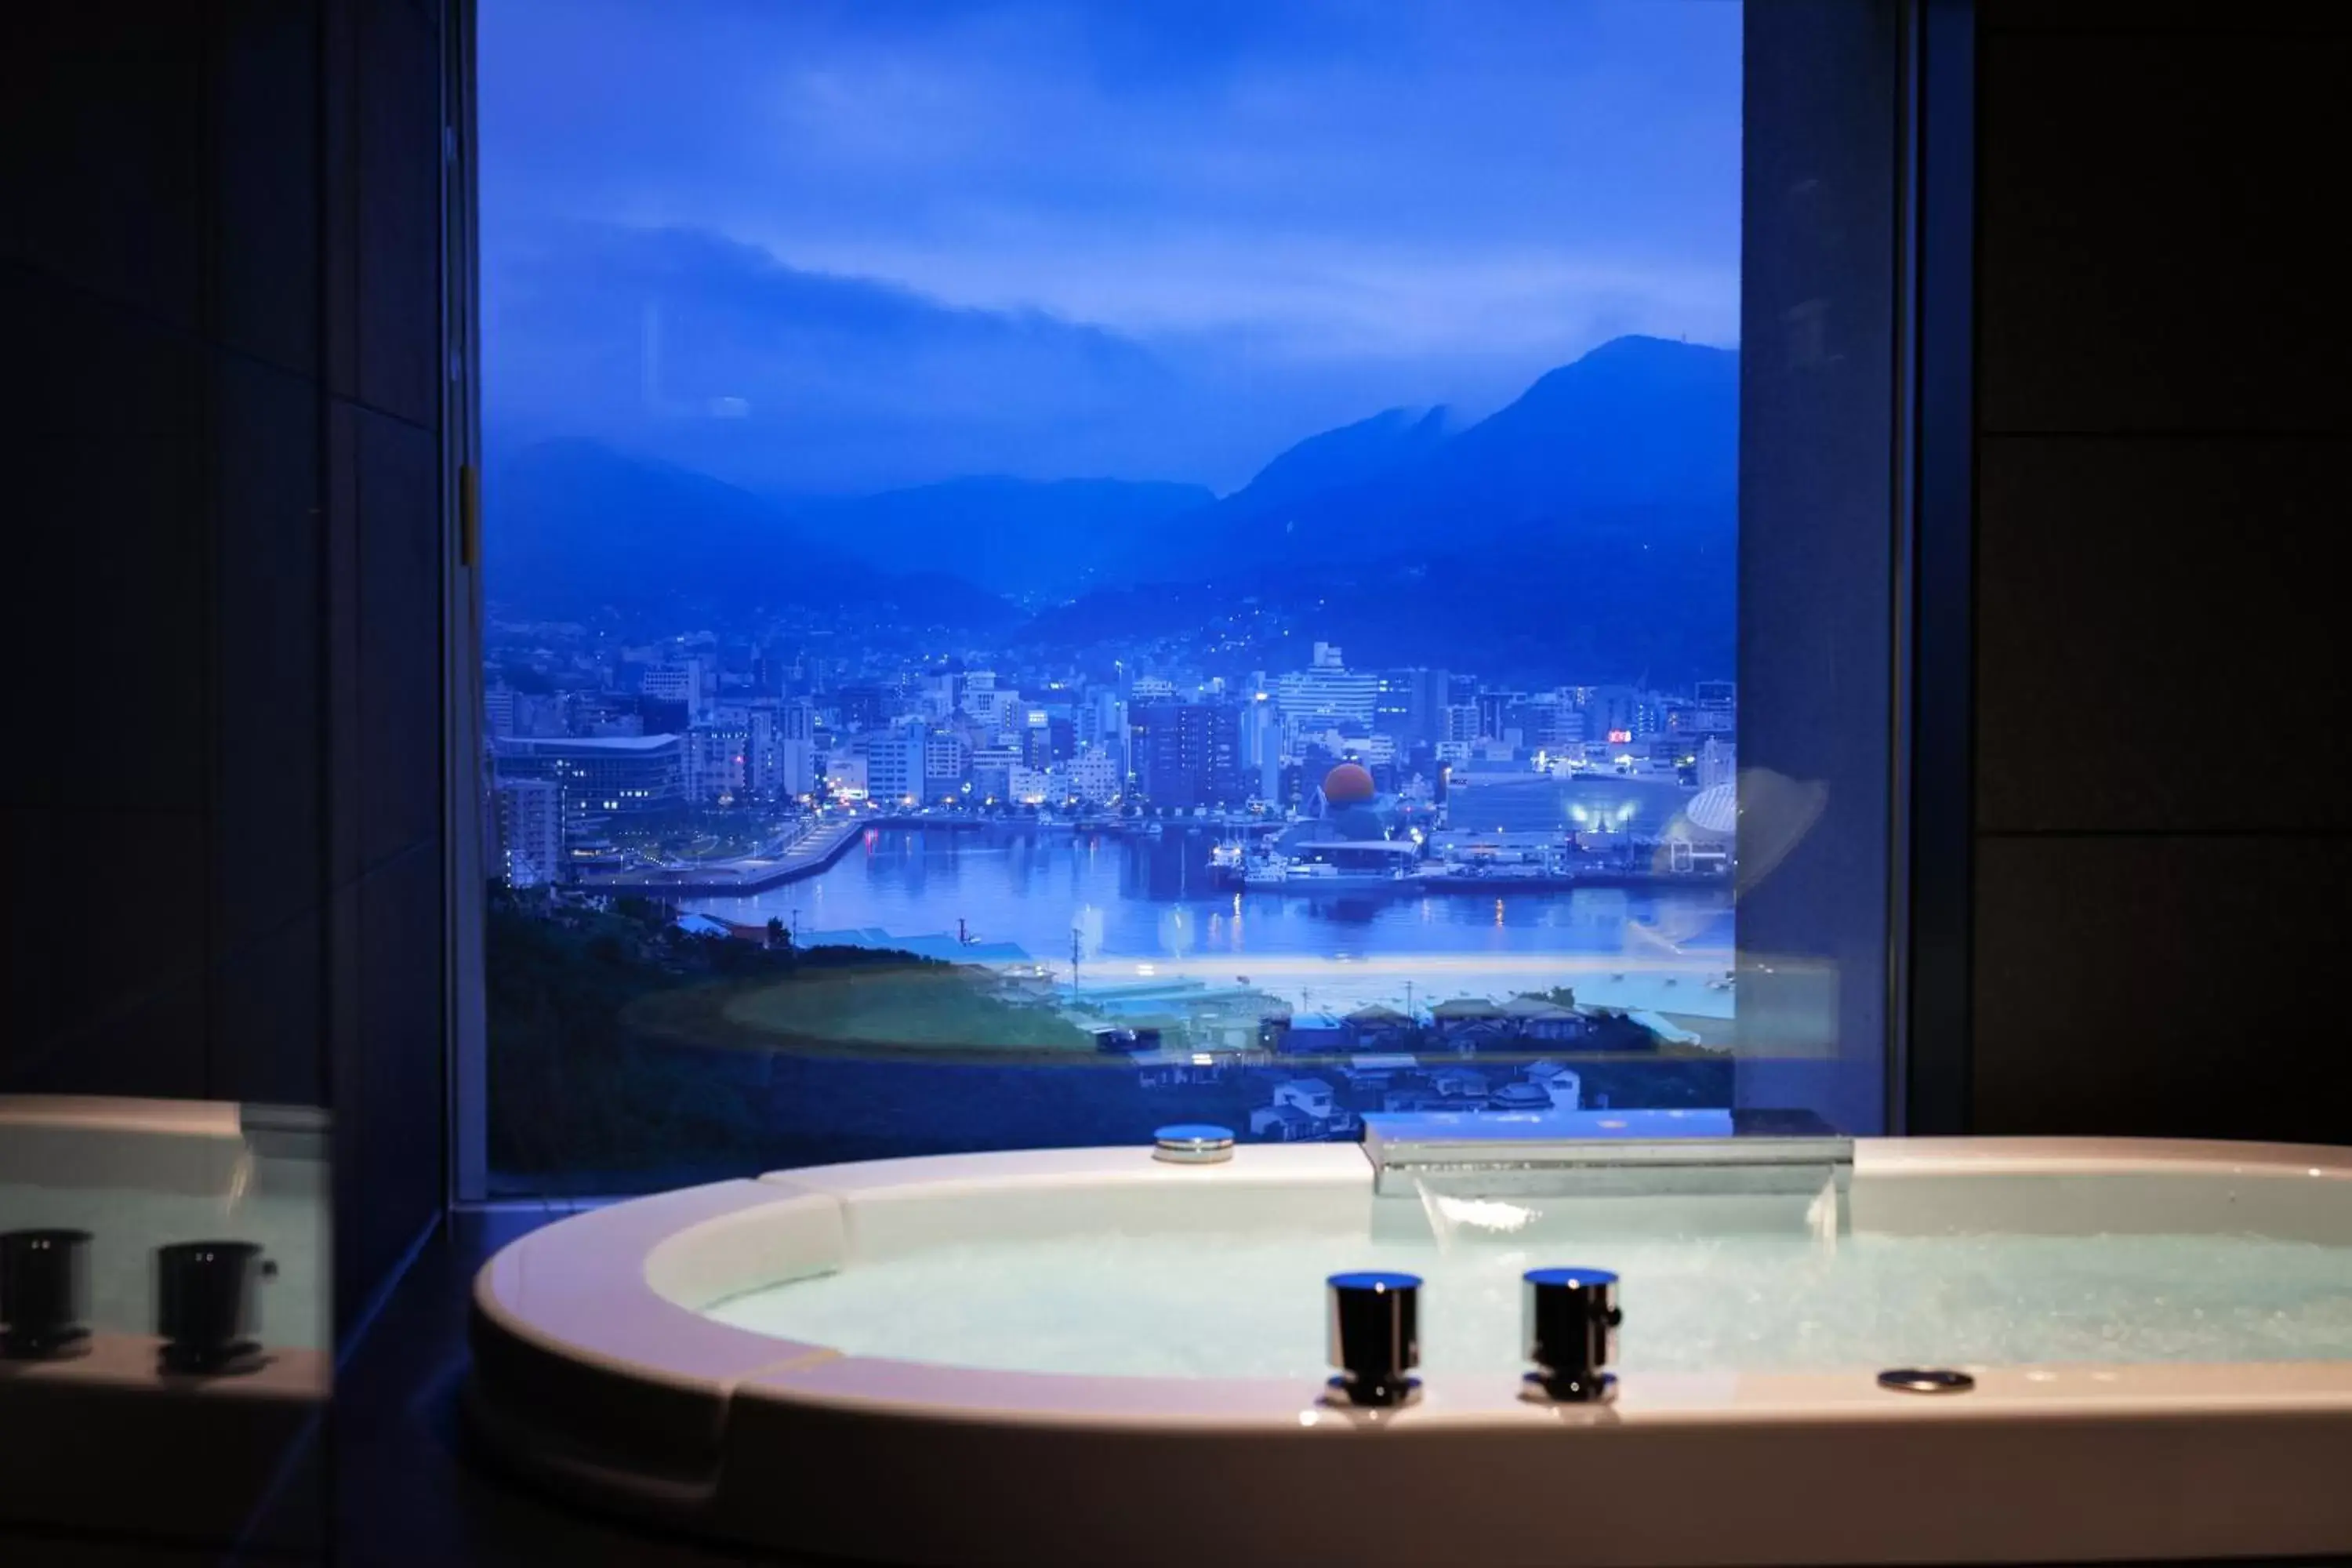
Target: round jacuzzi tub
x,y
1087,1356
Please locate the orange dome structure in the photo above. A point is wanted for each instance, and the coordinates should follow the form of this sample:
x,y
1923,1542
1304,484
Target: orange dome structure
x,y
1349,783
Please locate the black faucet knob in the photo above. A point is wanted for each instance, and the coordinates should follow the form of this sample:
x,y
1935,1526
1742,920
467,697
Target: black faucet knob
x,y
1570,1318
1375,1338
207,1307
44,1292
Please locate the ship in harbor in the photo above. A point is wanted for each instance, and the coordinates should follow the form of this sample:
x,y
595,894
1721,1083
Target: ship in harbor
x,y
1354,840
1507,832
1335,866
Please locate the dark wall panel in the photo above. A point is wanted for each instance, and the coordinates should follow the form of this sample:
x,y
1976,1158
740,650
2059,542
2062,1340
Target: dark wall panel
x,y
2113,18
265,1020
265,174
399,660
266,579
105,993
101,150
2162,985
389,1147
2165,653
2157,252
135,717
220,270
86,364
2163,432
398,152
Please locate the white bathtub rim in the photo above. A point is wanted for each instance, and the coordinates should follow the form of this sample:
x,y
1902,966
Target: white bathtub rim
x,y
604,1311
1288,1165
1489,1402
600,1309
1880,1158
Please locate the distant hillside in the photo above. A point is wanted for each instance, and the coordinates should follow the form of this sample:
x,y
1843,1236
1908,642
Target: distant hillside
x,y
1352,455
1638,422
1590,526
572,526
1642,593
1588,530
1017,537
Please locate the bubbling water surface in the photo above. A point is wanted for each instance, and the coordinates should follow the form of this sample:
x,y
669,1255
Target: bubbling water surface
x,y
1251,1303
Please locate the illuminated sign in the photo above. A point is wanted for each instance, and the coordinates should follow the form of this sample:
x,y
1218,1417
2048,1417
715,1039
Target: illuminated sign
x,y
1621,737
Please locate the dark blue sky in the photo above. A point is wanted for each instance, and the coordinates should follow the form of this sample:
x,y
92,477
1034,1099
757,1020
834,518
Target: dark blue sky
x,y
819,245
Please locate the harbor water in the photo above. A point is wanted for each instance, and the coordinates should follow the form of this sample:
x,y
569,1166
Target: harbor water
x,y
1130,909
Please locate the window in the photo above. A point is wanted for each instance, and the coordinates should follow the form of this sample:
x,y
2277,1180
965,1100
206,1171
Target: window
x,y
1055,569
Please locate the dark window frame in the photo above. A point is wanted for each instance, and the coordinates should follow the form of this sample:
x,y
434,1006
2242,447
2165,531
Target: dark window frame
x,y
1927,911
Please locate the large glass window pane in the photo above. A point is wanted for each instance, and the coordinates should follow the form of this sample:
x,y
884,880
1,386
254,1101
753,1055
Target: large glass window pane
x,y
1055,569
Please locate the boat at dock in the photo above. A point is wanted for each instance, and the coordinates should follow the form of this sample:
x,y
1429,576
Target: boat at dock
x,y
1336,866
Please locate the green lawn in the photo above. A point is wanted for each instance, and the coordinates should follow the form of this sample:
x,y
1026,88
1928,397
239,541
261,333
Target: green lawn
x,y
913,1009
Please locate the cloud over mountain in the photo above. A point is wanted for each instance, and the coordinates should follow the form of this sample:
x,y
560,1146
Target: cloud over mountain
x,y
713,353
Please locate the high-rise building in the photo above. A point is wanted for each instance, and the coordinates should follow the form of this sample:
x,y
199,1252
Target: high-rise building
x,y
1094,775
1187,753
1164,776
895,764
1392,703
499,710
1546,718
1229,783
991,772
977,694
1328,693
1261,746
1045,738
717,759
845,774
1618,715
862,707
1714,709
1102,722
598,776
1409,704
783,749
1493,713
680,680
1003,716
530,832
947,765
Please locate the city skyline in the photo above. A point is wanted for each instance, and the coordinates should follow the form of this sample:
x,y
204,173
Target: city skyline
x,y
1194,537
717,721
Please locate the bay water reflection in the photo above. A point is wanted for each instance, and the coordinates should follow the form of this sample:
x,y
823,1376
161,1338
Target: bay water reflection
x,y
1137,906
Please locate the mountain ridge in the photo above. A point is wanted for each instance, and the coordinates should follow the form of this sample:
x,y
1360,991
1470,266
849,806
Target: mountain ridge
x,y
1594,515
572,525
1591,525
1636,421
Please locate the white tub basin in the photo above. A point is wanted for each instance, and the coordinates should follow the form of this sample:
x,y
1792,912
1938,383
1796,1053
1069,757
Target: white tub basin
x,y
1086,1356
